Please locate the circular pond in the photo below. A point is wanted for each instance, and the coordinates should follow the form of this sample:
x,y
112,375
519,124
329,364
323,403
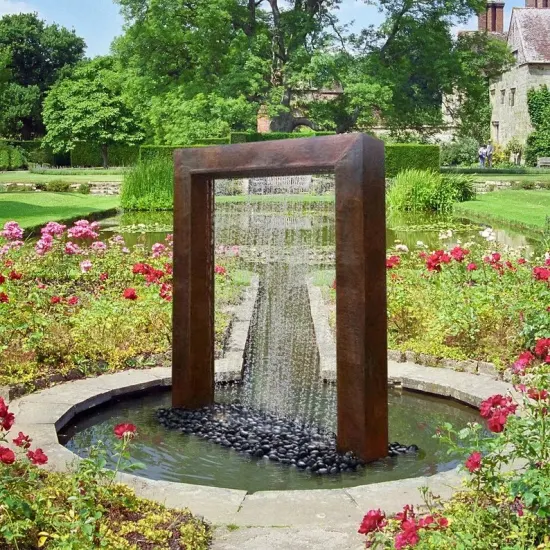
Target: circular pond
x,y
173,456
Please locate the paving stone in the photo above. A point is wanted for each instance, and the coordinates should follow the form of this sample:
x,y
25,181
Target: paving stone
x,y
396,355
487,369
284,508
276,538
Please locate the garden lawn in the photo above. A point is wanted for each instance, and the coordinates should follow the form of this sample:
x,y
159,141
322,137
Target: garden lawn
x,y
527,209
34,209
29,177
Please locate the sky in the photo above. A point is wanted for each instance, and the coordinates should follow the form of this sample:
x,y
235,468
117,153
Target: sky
x,y
99,21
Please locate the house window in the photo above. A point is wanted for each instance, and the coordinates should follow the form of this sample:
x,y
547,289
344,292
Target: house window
x,y
496,130
512,97
502,96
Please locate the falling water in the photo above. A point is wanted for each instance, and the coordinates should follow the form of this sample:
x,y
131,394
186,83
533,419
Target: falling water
x,y
280,242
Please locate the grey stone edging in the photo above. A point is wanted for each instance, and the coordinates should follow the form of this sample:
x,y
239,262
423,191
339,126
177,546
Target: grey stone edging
x,y
230,367
42,414
327,347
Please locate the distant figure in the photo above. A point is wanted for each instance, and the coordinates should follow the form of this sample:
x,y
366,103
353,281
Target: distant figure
x,y
482,156
489,154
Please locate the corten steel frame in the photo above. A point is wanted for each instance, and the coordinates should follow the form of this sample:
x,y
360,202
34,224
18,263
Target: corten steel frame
x,y
358,164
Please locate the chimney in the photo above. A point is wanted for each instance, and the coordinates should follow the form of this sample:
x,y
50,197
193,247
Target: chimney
x,y
537,4
263,120
492,19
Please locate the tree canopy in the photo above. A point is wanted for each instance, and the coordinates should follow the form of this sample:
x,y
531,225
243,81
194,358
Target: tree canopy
x,y
89,106
36,55
189,69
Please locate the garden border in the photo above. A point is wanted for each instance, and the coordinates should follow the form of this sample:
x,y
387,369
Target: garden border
x,y
42,414
327,347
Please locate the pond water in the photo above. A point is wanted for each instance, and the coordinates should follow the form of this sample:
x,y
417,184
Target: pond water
x,y
318,219
173,456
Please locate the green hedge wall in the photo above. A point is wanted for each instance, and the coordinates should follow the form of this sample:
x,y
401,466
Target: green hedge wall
x,y
12,157
403,156
89,155
250,137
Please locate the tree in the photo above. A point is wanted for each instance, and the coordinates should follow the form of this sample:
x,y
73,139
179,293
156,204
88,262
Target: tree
x,y
88,105
280,53
37,54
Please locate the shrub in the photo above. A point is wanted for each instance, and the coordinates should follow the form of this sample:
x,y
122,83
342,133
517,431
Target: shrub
x,y
505,502
249,137
4,156
89,154
538,145
403,156
58,186
418,190
149,185
462,152
84,189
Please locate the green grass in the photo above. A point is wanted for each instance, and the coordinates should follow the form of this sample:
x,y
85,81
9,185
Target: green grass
x,y
513,177
29,177
35,209
520,209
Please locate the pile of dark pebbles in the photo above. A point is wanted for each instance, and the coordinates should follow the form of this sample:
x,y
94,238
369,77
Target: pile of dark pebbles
x,y
263,435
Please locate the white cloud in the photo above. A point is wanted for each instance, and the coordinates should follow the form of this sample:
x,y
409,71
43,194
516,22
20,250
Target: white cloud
x,y
8,7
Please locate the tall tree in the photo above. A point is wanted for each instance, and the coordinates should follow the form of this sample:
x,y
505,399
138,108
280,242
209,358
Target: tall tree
x,y
38,52
88,105
282,53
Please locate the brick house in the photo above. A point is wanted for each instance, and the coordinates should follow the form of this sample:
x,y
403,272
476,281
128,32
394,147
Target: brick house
x,y
529,40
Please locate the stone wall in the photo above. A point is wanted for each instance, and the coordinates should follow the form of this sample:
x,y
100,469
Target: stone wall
x,y
508,121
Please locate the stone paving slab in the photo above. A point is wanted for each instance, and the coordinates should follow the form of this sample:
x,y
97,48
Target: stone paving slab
x,y
311,507
277,538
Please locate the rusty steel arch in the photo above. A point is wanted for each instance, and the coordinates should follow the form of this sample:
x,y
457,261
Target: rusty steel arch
x,y
357,161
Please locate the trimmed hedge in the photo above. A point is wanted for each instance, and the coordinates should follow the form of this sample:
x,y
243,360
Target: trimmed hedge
x,y
11,158
250,137
89,155
407,156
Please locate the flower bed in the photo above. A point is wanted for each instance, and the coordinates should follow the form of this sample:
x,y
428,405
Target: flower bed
x,y
505,502
84,509
72,305
477,301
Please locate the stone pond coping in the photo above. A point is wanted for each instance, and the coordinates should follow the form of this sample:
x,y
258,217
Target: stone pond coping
x,y
42,414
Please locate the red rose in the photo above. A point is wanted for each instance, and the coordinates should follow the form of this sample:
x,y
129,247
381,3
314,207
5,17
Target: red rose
x,y
125,430
130,294
522,261
374,520
37,457
4,299
3,407
474,462
103,277
2,279
392,261
471,266
409,535
23,440
220,270
14,276
542,347
7,421
537,395
73,300
459,253
7,456
55,300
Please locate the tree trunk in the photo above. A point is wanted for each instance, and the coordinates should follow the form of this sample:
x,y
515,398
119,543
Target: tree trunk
x,y
105,156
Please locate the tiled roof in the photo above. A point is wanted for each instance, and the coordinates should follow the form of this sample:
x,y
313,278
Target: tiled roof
x,y
534,28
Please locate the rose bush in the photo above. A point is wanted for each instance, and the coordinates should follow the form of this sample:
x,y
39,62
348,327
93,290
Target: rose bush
x,y
71,302
505,502
84,509
475,301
